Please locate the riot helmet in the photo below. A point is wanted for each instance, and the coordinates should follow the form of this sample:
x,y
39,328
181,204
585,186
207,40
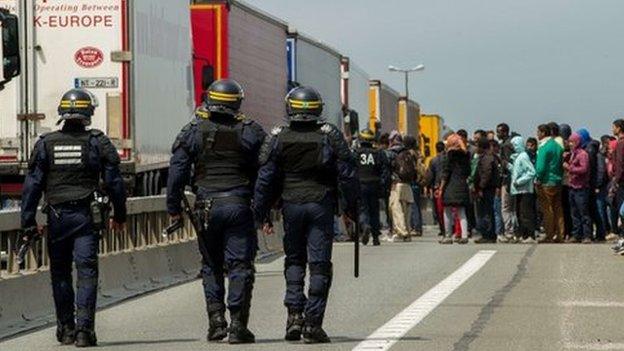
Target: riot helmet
x,y
367,135
77,104
304,104
224,96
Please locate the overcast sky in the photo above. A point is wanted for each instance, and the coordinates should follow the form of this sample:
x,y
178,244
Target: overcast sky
x,y
523,62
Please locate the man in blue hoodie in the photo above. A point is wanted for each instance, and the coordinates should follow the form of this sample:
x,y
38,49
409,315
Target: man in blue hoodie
x,y
597,178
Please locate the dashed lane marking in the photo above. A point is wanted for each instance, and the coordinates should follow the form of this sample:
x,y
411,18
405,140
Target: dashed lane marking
x,y
391,332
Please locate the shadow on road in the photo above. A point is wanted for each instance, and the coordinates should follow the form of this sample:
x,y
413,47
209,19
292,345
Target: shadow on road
x,y
145,342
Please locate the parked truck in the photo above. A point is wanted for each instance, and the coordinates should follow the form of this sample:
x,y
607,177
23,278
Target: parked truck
x,y
313,63
135,56
9,47
235,40
409,117
383,107
431,128
354,96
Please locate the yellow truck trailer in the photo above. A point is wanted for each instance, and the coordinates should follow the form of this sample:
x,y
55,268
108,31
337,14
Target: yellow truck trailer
x,y
430,133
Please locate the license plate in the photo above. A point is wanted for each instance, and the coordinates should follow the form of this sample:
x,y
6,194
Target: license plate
x,y
97,83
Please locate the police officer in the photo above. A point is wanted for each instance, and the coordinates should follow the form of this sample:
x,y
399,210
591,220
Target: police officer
x,y
310,160
374,174
223,146
66,166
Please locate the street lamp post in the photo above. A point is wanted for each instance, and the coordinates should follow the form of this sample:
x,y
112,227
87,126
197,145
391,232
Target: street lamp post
x,y
406,72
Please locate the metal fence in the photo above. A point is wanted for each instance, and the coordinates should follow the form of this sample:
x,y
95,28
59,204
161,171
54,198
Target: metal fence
x,y
147,218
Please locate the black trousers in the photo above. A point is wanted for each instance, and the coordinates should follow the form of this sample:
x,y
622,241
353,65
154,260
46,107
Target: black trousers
x,y
527,214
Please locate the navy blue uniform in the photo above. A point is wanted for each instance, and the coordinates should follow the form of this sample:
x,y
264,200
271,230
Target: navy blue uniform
x,y
311,167
224,152
66,166
374,174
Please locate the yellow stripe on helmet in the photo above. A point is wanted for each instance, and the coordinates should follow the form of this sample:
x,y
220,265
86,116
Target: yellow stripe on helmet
x,y
305,104
224,97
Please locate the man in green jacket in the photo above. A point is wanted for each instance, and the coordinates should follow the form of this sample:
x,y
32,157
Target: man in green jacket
x,y
549,177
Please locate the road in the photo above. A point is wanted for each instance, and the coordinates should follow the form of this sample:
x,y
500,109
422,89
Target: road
x,y
470,297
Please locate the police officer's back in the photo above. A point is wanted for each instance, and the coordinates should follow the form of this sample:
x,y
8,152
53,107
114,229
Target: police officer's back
x,y
66,167
374,175
309,161
223,146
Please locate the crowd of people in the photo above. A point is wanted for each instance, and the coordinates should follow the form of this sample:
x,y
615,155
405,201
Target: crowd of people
x,y
562,186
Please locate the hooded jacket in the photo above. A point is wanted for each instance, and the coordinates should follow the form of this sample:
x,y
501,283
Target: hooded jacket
x,y
522,171
578,166
548,164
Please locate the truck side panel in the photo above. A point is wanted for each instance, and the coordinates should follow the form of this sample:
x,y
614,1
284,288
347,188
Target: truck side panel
x,y
163,87
359,93
389,109
320,69
257,59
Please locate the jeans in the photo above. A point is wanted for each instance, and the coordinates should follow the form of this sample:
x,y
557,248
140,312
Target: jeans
x,y
485,214
526,213
579,210
498,216
596,217
603,211
416,214
508,212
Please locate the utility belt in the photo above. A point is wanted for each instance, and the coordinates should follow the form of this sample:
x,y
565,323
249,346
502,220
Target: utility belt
x,y
204,207
98,204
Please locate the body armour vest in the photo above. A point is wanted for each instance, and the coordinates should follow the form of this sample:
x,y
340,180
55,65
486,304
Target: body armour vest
x,y
70,176
307,177
368,168
221,164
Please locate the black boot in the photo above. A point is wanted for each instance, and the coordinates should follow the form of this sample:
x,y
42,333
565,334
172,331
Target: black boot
x,y
85,338
366,236
239,334
315,335
217,329
65,334
376,240
294,325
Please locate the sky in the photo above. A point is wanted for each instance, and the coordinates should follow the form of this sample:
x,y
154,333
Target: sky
x,y
489,61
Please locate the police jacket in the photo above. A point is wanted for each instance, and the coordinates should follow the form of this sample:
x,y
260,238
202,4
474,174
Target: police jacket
x,y
223,150
305,162
373,165
66,166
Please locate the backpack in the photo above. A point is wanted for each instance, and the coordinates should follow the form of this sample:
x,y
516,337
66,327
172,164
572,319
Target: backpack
x,y
405,166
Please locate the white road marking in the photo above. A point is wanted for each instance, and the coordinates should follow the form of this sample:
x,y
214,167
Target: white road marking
x,y
391,332
591,304
594,346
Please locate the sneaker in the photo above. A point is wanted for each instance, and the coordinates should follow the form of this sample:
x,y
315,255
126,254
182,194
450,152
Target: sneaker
x,y
529,240
396,239
619,244
463,241
587,241
407,239
446,241
376,241
483,240
612,237
620,252
572,240
418,233
502,239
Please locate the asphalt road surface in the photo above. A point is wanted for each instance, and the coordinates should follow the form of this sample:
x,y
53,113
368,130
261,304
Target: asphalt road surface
x,y
410,296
